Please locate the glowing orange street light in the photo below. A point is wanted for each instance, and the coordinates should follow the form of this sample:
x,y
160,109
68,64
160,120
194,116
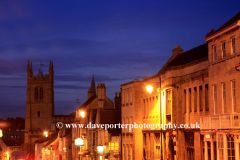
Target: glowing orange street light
x,y
46,133
149,88
82,114
1,134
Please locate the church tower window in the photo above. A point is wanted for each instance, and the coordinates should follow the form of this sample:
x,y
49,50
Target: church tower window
x,y
41,93
36,93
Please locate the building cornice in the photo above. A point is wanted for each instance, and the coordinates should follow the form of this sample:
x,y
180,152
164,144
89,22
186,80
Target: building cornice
x,y
227,29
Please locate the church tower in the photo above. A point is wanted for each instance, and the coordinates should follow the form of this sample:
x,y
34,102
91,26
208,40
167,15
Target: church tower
x,y
39,104
92,90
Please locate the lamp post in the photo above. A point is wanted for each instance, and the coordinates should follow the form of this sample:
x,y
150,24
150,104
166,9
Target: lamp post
x,y
149,88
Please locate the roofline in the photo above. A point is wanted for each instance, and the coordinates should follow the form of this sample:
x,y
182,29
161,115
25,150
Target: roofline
x,y
135,81
224,30
185,65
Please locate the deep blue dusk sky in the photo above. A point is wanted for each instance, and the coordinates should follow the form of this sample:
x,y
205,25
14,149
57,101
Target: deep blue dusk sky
x,y
119,40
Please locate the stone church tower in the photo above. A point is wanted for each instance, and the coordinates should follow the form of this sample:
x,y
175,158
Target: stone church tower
x,y
39,104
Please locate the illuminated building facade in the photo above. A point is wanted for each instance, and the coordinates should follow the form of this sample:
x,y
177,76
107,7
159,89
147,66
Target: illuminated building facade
x,y
99,143
220,127
194,88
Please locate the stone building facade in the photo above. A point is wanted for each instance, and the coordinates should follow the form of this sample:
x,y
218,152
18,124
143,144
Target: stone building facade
x,y
177,97
99,143
40,115
198,86
39,104
220,127
131,112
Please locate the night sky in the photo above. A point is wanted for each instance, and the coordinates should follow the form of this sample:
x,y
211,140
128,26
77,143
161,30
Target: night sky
x,y
118,40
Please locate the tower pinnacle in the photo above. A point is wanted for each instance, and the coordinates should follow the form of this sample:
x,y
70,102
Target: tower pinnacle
x,y
92,90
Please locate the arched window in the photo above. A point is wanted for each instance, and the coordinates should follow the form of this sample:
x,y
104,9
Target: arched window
x,y
38,113
36,93
41,93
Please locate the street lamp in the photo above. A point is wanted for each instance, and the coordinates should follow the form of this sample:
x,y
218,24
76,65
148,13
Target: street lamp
x,y
1,134
150,89
46,134
82,114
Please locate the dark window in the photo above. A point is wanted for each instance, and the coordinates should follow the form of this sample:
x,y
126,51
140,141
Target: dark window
x,y
169,102
41,93
189,141
184,101
206,98
200,98
223,50
38,113
190,100
93,139
195,99
36,93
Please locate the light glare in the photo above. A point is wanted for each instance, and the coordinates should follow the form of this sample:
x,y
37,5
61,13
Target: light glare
x,y
149,89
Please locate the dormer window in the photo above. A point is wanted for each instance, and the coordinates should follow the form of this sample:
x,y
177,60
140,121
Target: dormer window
x,y
214,53
223,50
233,45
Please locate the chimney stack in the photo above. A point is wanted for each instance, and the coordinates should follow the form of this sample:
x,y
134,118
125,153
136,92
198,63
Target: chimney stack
x,y
176,51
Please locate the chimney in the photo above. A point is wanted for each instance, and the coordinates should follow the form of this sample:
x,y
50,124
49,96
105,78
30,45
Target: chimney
x,y
101,94
117,101
176,51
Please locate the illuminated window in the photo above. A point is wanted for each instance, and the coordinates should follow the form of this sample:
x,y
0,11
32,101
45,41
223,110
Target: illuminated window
x,y
233,45
215,98
214,52
224,103
223,50
234,95
113,146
